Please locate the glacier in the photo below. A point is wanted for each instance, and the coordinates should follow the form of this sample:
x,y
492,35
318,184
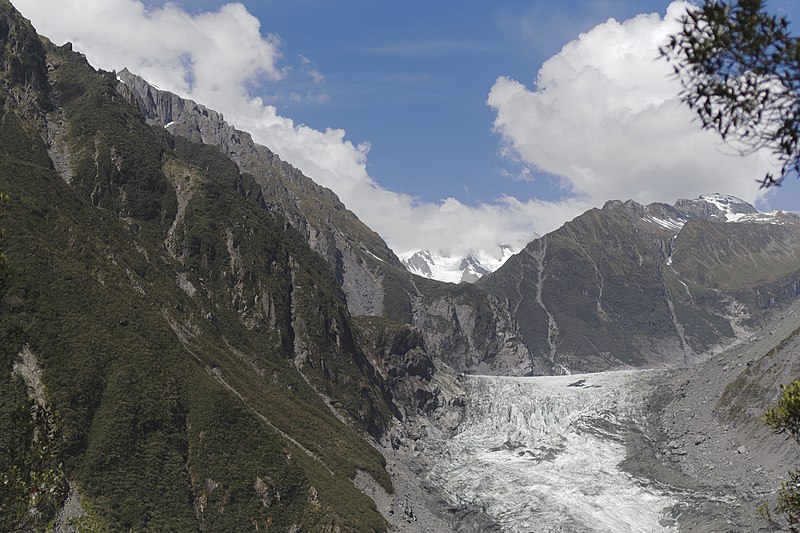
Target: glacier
x,y
543,454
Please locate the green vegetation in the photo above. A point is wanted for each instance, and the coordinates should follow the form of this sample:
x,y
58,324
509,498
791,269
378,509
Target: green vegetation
x,y
114,157
784,418
190,380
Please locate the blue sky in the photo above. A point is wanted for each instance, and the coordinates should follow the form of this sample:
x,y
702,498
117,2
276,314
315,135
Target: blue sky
x,y
412,78
450,126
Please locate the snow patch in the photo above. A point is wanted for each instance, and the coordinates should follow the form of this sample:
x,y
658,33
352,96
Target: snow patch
x,y
734,209
771,217
666,223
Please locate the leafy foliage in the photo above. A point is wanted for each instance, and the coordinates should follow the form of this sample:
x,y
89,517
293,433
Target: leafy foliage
x,y
740,71
784,418
34,486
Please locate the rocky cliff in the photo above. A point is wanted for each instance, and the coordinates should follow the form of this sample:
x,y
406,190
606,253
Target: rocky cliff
x,y
360,259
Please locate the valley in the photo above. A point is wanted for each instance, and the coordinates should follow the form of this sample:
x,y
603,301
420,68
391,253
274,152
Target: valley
x,y
627,451
634,450
196,336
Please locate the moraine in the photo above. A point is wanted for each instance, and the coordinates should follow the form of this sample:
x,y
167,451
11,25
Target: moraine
x,y
543,454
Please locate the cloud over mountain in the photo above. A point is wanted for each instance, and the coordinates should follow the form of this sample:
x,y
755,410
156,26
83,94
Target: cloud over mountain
x,y
217,57
604,114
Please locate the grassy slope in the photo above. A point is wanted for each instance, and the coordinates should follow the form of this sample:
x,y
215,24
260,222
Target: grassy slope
x,y
168,409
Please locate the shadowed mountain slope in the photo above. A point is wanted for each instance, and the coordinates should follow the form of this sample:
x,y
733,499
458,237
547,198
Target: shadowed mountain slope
x,y
191,360
633,285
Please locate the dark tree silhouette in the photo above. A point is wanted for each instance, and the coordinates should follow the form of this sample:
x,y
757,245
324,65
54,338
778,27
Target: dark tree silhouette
x,y
740,71
784,418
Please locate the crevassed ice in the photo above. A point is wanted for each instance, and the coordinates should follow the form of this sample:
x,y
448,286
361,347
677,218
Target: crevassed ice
x,y
542,454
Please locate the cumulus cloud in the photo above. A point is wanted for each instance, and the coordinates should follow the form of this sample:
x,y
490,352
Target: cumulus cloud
x,y
215,58
210,55
604,115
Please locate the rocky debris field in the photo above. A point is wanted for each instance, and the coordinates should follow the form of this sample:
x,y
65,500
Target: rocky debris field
x,y
681,449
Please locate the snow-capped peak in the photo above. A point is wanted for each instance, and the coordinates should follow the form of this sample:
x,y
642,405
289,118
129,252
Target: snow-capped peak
x,y
455,268
732,208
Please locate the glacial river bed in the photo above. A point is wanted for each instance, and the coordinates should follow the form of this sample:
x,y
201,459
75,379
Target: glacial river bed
x,y
543,454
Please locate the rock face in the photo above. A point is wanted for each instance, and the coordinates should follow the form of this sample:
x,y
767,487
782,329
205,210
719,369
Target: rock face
x,y
471,269
358,256
634,285
473,331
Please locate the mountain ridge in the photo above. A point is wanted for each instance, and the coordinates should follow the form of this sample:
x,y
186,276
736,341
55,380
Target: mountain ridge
x,y
196,336
647,267
197,359
471,327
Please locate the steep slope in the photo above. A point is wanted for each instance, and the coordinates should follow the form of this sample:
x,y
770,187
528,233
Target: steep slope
x,y
707,425
370,274
192,359
629,285
469,328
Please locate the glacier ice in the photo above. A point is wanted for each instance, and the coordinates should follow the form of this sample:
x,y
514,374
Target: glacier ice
x,y
542,454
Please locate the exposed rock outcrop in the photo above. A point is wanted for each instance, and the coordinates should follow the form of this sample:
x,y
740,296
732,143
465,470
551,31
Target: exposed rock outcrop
x,y
357,255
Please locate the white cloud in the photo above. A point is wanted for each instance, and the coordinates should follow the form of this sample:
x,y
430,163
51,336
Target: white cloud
x,y
213,57
316,75
210,55
605,115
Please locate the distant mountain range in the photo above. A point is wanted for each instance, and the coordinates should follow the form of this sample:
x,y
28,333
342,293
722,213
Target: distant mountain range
x,y
473,266
196,336
459,269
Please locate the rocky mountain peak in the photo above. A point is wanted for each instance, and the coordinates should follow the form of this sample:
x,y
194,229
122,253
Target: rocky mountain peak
x,y
715,207
23,69
467,268
472,270
419,263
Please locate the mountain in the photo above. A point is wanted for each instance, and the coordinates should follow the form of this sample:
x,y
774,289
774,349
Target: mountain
x,y
457,269
451,319
196,336
180,347
371,276
470,329
174,355
633,285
